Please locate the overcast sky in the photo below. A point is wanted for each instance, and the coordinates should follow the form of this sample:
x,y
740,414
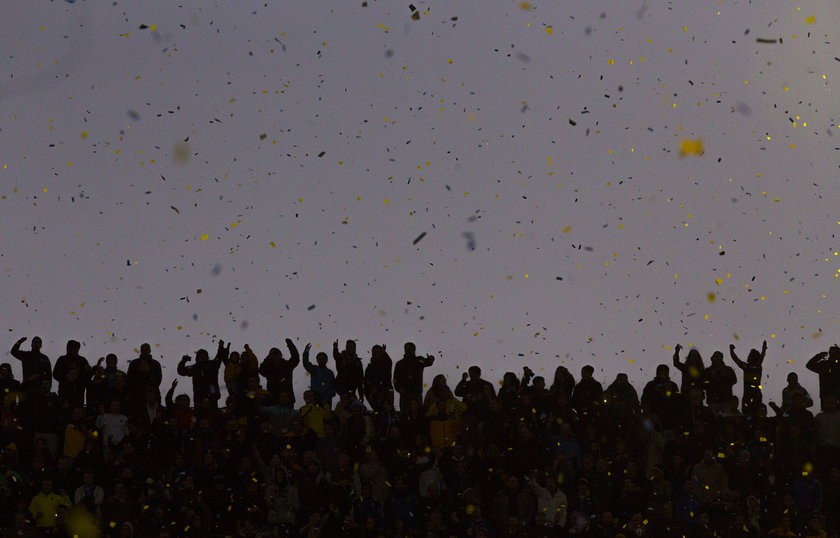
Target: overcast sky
x,y
500,182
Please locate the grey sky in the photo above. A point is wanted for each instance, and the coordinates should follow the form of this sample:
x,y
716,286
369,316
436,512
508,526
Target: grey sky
x,y
312,143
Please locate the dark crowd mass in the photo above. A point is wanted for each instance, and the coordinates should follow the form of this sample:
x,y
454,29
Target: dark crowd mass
x,y
383,448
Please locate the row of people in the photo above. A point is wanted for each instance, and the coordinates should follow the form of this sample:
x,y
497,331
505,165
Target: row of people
x,y
566,458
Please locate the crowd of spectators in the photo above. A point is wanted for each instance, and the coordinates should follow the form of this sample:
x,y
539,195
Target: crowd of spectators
x,y
106,450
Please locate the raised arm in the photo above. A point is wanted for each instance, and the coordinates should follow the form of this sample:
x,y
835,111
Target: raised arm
x,y
815,363
294,355
306,364
679,365
183,369
763,350
222,352
741,364
169,403
16,352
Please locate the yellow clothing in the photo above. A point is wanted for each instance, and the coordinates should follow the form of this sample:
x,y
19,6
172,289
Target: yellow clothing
x,y
74,441
314,416
44,508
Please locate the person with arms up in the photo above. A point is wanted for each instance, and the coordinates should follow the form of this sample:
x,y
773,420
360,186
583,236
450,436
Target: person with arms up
x,y
752,377
204,373
278,371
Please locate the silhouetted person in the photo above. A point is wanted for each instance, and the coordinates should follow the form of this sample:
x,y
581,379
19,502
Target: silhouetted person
x,y
278,371
35,365
475,391
408,375
349,373
379,388
662,395
204,373
827,365
622,401
790,393
321,378
563,381
8,383
691,370
752,377
587,394
828,434
718,380
71,359
143,372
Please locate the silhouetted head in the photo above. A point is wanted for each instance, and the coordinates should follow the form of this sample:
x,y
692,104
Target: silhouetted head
x,y
621,378
754,358
587,371
321,359
694,359
662,371
145,349
717,358
350,346
833,352
73,347
202,356
111,360
37,343
792,378
5,370
410,349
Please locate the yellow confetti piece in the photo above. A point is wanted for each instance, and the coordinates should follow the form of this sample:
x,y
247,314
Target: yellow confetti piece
x,y
526,6
549,30
811,19
205,237
691,146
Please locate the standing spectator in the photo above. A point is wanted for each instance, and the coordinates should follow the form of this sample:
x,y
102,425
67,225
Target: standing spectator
x,y
35,364
827,365
622,402
143,372
662,395
691,370
718,380
408,375
792,391
71,360
349,374
321,378
828,434
89,494
587,394
751,399
564,382
278,371
205,373
378,386
114,425
551,502
8,383
44,507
